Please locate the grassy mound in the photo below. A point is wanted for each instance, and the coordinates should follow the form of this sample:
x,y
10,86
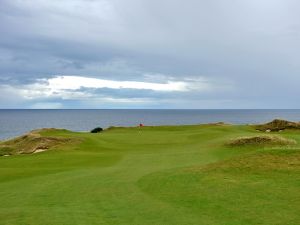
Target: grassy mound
x,y
276,159
260,188
32,142
261,140
277,125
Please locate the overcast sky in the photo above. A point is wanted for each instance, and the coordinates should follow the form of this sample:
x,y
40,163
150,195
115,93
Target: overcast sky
x,y
149,54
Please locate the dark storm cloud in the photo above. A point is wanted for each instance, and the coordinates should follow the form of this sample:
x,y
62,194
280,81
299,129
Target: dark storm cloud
x,y
248,51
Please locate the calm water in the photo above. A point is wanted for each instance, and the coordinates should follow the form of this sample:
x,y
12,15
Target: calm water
x,y
17,122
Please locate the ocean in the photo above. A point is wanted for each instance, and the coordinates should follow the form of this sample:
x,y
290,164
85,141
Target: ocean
x,y
15,122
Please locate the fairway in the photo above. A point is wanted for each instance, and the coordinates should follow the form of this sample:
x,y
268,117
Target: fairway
x,y
165,175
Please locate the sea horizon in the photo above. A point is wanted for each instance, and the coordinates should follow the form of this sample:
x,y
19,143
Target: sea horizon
x,y
15,122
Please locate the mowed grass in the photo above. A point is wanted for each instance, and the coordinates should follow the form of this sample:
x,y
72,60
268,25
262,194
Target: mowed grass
x,y
164,175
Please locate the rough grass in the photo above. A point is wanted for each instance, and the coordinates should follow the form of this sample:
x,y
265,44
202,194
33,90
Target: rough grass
x,y
170,175
33,142
257,188
263,140
270,160
278,125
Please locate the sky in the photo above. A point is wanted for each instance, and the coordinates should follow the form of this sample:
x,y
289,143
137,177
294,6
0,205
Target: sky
x,y
160,54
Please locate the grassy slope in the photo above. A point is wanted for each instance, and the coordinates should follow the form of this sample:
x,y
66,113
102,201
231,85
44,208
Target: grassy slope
x,y
159,175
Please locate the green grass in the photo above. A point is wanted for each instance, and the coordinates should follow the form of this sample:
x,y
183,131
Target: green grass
x,y
168,175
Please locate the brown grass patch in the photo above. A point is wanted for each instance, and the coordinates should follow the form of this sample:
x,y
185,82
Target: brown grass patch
x,y
277,125
261,140
31,143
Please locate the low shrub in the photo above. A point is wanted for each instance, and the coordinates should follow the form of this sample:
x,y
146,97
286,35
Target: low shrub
x,y
4,150
97,130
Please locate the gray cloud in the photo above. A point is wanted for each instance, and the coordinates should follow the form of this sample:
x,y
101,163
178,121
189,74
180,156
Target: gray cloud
x,y
248,49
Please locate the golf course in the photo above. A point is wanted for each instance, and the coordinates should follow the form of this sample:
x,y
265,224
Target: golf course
x,y
210,174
